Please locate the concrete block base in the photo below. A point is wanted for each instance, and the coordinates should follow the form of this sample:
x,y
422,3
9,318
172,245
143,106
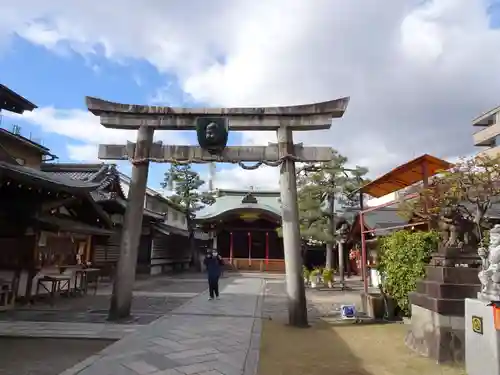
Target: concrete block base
x,y
373,305
436,336
482,355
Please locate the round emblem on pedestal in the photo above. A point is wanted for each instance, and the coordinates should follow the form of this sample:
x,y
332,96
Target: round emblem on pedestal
x,y
477,324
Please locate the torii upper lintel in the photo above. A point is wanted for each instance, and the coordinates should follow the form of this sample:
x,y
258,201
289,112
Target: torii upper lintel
x,y
313,116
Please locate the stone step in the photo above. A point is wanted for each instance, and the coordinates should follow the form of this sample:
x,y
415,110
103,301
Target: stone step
x,y
444,306
448,291
452,275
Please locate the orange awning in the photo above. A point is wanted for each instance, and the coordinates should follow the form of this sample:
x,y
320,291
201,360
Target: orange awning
x,y
406,175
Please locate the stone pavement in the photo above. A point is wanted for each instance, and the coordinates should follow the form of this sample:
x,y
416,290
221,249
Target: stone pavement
x,y
153,298
201,337
67,330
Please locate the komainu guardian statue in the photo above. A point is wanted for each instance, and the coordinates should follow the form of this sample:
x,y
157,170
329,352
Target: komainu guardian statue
x,y
490,270
457,231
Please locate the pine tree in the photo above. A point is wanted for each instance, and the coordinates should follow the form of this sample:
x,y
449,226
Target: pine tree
x,y
320,187
185,182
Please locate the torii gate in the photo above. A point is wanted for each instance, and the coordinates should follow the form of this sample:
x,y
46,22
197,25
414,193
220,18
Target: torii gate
x,y
283,120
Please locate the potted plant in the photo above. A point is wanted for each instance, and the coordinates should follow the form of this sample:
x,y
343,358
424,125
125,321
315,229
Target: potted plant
x,y
306,274
315,277
328,277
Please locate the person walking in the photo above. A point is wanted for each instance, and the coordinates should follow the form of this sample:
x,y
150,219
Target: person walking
x,y
213,263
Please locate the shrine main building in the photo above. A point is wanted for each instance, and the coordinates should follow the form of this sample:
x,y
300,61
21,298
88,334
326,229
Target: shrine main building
x,y
244,229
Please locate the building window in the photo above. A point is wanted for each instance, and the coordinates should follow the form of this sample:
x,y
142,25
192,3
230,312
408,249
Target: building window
x,y
21,161
174,215
496,141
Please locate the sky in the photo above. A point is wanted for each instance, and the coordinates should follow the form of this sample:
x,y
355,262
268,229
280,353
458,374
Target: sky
x,y
417,72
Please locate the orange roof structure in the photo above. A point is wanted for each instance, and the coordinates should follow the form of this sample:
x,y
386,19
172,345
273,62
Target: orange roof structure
x,y
419,169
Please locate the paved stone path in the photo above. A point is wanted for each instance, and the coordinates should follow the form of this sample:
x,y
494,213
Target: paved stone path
x,y
201,337
67,330
153,298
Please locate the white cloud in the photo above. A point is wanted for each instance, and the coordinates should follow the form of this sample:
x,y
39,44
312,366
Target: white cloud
x,y
86,153
262,178
416,71
84,127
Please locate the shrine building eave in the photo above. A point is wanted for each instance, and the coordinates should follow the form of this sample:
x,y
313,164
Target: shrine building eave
x,y
13,102
245,209
314,116
236,204
18,138
405,175
33,176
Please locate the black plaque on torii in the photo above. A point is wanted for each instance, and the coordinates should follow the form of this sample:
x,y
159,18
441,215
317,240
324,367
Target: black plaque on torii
x,y
212,133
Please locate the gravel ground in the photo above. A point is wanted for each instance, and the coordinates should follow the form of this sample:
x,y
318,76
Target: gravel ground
x,y
30,356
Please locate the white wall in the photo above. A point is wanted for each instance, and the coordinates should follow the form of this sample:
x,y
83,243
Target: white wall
x,y
176,218
173,217
385,199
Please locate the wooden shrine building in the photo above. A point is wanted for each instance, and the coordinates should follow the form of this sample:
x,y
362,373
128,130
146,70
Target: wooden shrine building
x,y
45,221
244,226
164,238
55,218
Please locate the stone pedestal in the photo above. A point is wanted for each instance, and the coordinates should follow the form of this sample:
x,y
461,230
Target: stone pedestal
x,y
482,355
373,305
438,310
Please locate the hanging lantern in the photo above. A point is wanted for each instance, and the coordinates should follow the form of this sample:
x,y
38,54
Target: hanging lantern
x,y
212,133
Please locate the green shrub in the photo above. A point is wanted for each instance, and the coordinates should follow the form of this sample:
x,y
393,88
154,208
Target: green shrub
x,y
315,272
327,275
403,256
305,272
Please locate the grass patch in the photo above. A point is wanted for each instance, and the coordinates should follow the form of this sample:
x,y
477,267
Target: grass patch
x,y
342,350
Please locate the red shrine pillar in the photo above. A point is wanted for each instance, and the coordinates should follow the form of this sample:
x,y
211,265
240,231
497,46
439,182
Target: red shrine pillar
x,y
249,249
267,248
231,248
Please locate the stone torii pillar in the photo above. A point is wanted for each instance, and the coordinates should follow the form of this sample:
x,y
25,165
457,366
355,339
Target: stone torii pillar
x,y
283,120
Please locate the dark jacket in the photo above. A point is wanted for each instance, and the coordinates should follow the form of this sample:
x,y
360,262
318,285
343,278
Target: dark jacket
x,y
214,265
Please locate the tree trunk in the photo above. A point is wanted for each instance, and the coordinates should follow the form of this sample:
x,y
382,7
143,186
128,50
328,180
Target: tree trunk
x,y
330,246
478,218
193,253
329,256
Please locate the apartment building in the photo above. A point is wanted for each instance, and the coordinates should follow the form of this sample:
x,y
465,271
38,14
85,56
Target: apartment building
x,y
487,135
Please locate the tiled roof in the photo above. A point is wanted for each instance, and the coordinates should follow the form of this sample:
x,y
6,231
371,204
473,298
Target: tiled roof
x,y
81,172
384,217
102,174
61,182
